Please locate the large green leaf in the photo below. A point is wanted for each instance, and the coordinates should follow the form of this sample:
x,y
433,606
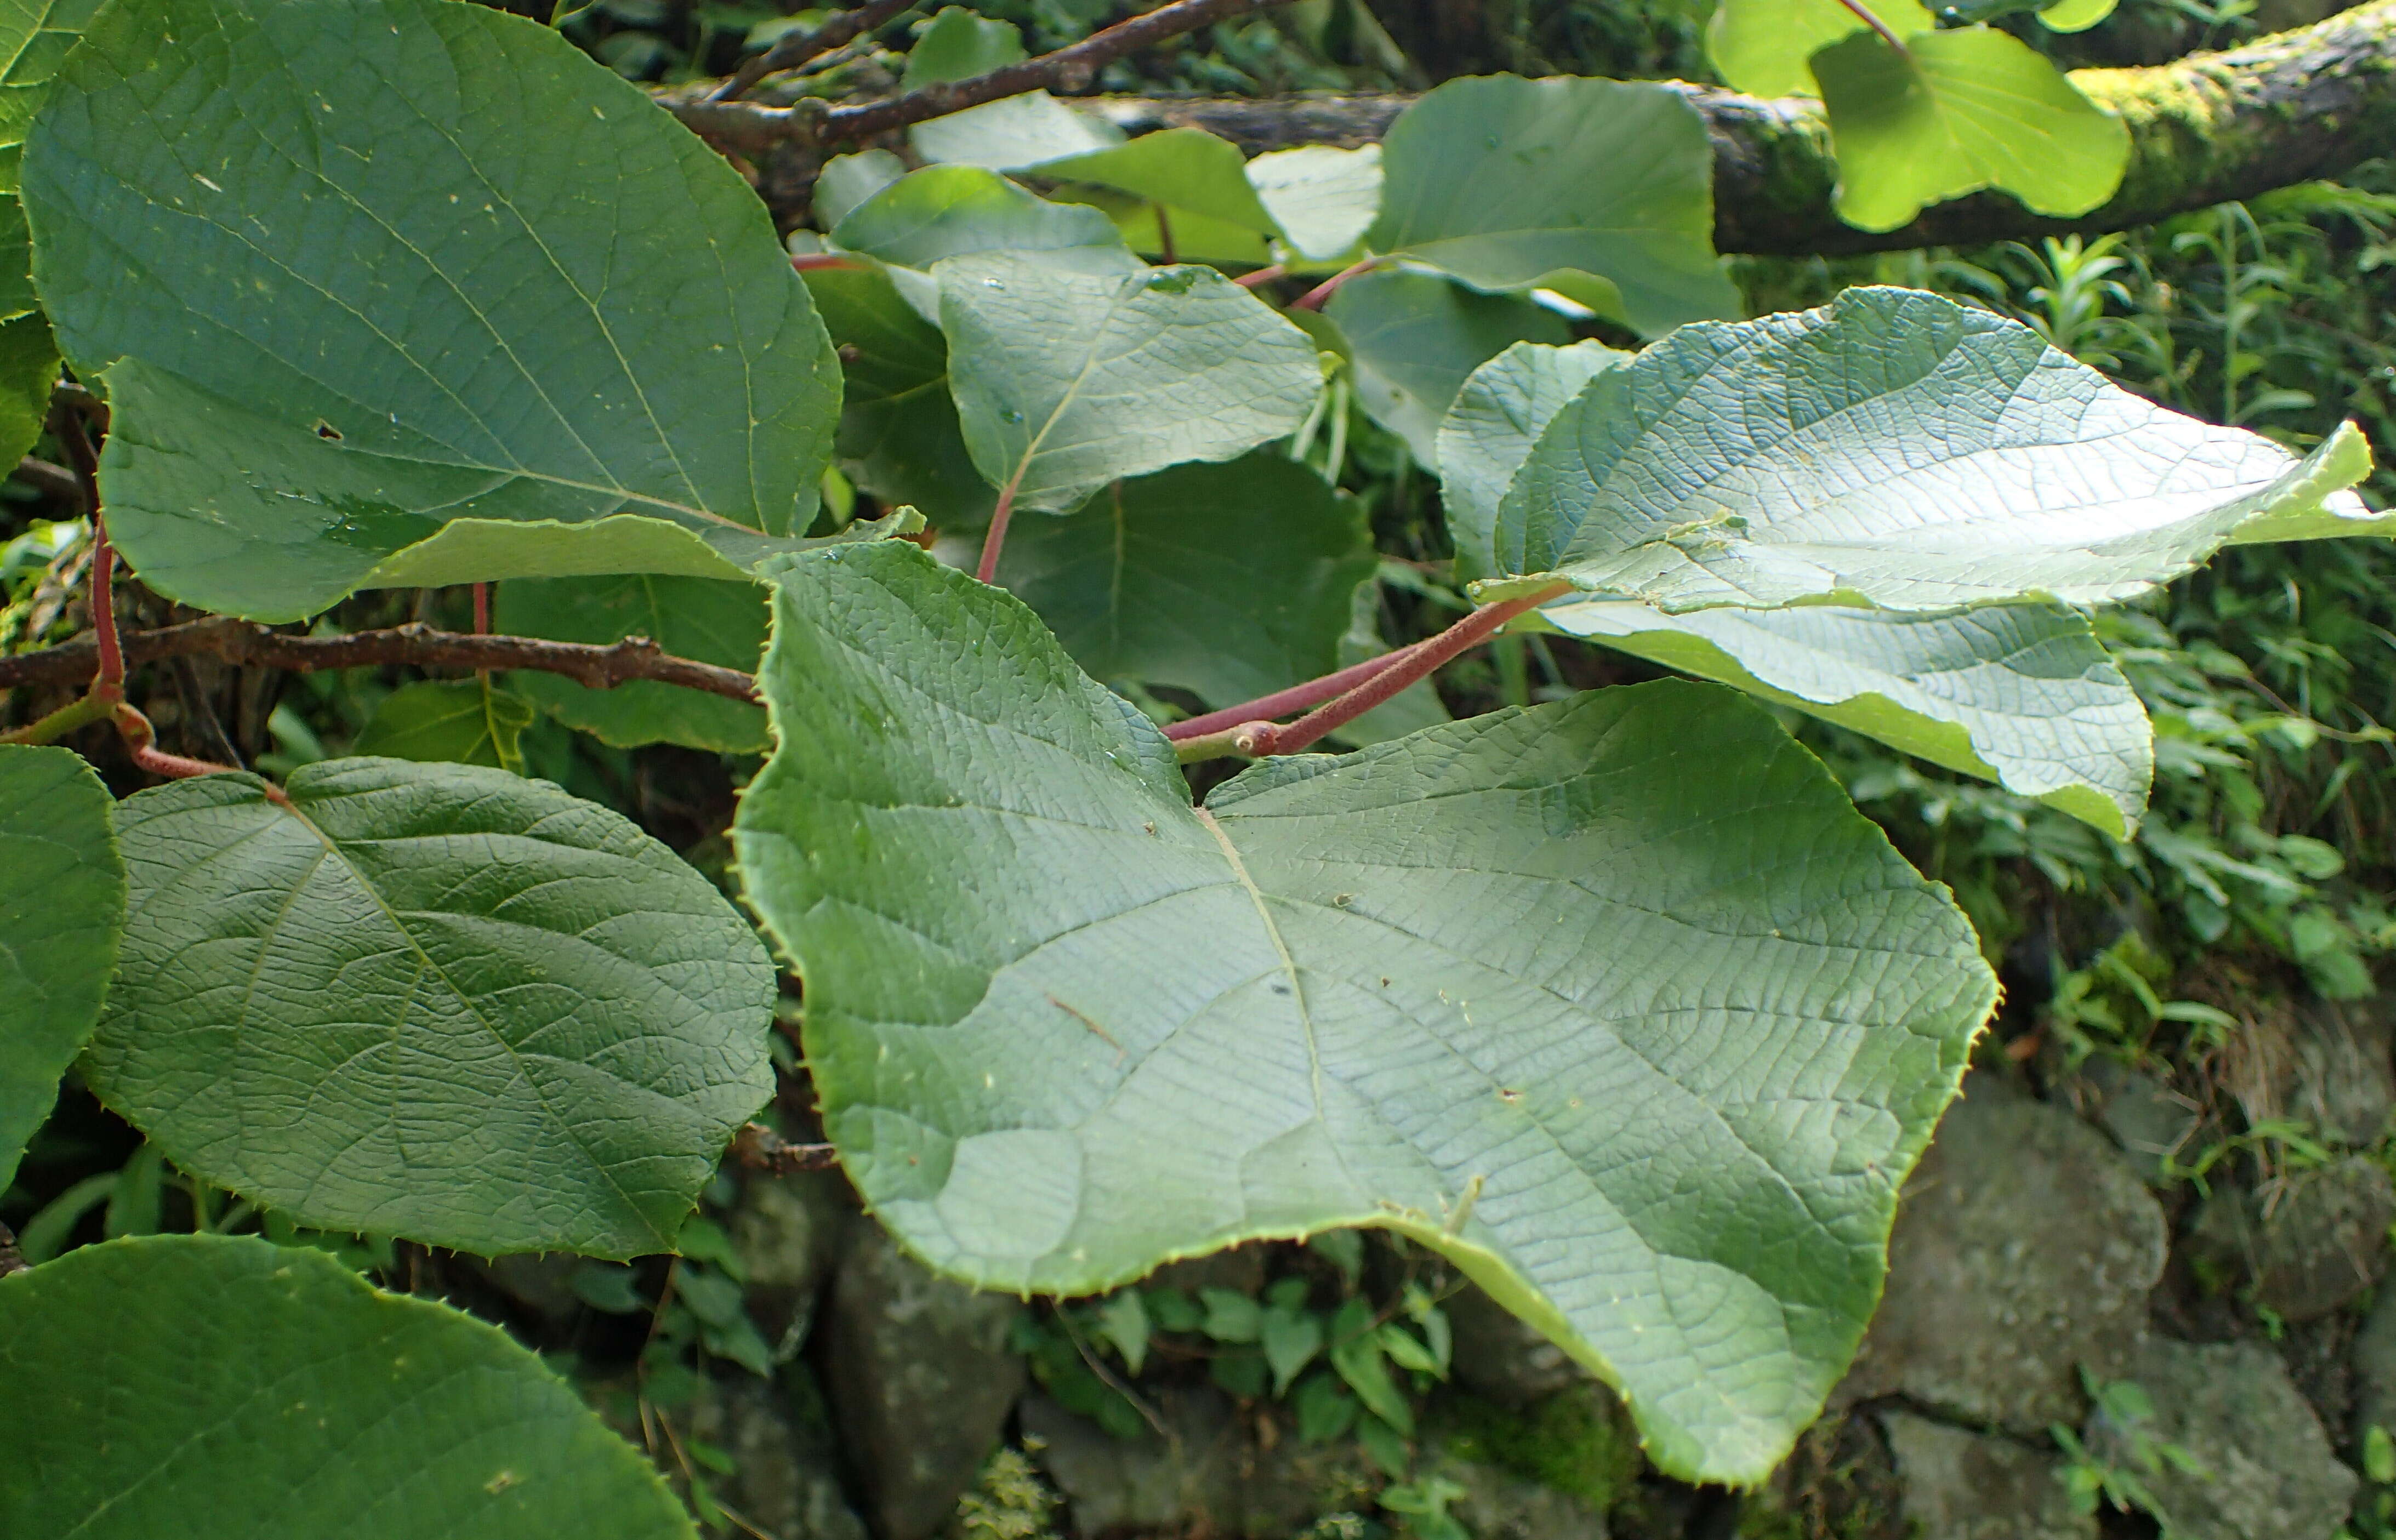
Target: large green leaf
x,y
217,1387
1603,188
1414,339
2023,694
62,911
1230,581
383,245
438,1002
1065,381
707,622
1956,112
451,722
1895,450
34,37
898,437
1760,46
1617,1002
1488,432
1196,180
29,372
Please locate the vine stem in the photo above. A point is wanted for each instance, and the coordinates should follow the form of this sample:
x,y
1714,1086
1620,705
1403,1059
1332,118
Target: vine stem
x,y
1259,740
824,262
1262,277
795,50
1864,14
1298,697
996,541
1315,298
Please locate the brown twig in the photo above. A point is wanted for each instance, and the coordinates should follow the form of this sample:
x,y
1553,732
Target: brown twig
x,y
760,1149
54,481
795,50
749,127
421,646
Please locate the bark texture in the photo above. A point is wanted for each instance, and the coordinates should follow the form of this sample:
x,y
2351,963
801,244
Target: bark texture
x,y
2303,104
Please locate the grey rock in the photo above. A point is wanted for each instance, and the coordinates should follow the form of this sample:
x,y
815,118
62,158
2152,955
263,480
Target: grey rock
x,y
919,1380
1499,1505
1207,1473
2306,1247
2025,1247
1499,1354
787,1232
785,1481
1961,1485
2153,1123
2343,1079
2269,1472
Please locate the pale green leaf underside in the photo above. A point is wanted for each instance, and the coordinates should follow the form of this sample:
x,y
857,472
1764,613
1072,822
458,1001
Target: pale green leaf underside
x,y
1507,183
1065,381
513,287
1414,339
707,622
1323,199
219,1387
438,1002
1489,430
450,722
62,911
944,211
1760,46
958,45
1960,111
1898,451
1630,968
1012,131
2023,694
1231,581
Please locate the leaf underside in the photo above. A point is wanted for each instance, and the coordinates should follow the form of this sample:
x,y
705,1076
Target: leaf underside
x,y
1628,969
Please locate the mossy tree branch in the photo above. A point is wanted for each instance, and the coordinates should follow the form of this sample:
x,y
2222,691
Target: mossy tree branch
x,y
2303,104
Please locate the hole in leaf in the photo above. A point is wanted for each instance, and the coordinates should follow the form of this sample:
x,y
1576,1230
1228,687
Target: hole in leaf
x,y
327,431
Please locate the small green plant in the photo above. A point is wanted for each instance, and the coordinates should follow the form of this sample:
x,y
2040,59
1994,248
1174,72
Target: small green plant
x,y
2117,1476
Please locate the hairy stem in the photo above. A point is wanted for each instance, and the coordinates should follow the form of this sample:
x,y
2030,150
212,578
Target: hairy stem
x,y
1419,662
1298,697
419,646
996,541
82,712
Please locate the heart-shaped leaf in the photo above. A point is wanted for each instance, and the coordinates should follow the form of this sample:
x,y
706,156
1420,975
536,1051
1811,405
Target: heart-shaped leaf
x,y
1065,381
1760,46
1601,188
61,912
1898,450
219,1387
706,622
1231,581
432,269
2023,694
1065,1026
436,1001
1956,112
452,722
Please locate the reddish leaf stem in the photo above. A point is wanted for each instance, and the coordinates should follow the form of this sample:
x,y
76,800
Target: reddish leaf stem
x,y
1419,662
823,261
1298,697
1262,277
1315,298
1864,14
996,541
